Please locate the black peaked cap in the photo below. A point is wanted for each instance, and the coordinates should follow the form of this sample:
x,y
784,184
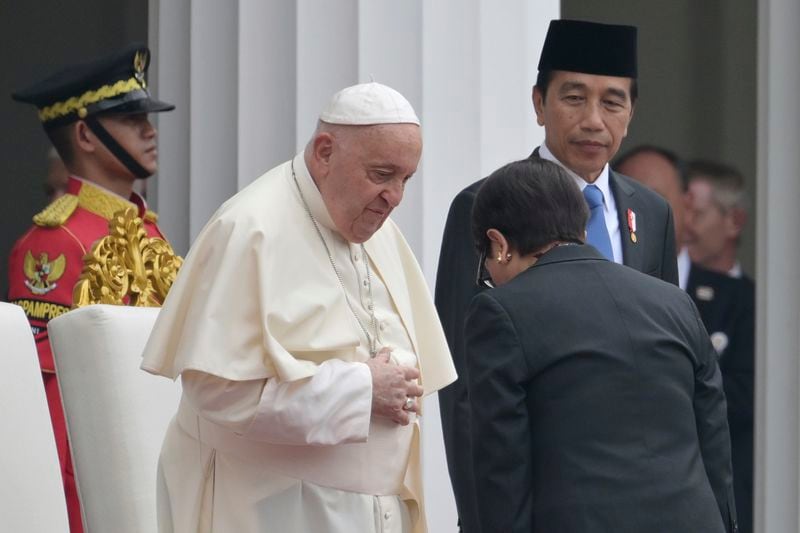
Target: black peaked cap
x,y
113,83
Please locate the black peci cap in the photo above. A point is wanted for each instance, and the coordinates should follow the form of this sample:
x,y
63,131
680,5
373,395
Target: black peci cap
x,y
590,48
114,83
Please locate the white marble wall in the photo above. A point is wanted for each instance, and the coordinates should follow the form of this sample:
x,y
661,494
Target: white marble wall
x,y
778,277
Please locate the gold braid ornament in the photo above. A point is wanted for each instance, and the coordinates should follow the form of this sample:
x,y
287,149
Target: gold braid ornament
x,y
127,267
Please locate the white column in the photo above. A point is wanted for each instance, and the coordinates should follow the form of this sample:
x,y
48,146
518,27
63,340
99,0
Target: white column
x,y
230,68
479,68
478,65
168,191
390,52
213,107
327,57
777,463
267,88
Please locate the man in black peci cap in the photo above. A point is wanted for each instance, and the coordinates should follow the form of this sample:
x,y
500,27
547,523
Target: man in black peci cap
x,y
584,97
95,114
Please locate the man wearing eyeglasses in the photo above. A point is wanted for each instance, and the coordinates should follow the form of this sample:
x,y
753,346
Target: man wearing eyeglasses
x,y
584,97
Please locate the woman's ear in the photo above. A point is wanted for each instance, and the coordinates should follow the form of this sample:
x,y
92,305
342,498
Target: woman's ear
x,y
500,249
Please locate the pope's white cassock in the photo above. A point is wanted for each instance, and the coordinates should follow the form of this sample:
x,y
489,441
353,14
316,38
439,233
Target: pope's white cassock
x,y
274,431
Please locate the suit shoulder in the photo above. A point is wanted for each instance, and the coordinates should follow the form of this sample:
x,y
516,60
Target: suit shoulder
x,y
640,281
496,300
473,187
467,194
57,213
461,205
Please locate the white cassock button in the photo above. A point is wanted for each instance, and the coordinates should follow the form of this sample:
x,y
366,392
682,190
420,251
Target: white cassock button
x,y
382,326
366,283
386,515
356,256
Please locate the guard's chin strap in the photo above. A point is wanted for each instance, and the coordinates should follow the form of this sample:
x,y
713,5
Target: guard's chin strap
x,y
114,147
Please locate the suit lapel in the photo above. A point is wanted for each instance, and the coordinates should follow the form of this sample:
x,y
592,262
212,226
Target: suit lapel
x,y
625,198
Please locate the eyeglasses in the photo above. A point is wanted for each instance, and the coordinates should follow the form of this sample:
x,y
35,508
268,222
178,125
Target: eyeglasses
x,y
482,278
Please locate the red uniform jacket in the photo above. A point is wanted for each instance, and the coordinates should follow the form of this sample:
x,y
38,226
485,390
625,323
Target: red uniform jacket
x,y
46,261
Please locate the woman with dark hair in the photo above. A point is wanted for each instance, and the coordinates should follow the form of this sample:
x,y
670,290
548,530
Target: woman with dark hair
x,y
596,398
532,193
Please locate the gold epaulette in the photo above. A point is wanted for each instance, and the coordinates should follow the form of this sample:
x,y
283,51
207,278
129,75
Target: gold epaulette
x,y
151,216
57,212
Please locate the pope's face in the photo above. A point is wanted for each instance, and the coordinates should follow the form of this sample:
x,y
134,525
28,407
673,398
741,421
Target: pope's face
x,y
365,175
585,117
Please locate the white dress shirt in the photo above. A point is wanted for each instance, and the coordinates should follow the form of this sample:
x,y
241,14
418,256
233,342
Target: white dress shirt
x,y
610,204
684,266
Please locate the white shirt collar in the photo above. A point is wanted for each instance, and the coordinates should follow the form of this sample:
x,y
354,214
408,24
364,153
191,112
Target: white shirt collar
x,y
311,193
601,182
684,266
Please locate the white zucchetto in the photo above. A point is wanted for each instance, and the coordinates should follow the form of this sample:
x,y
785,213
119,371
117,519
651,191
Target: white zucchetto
x,y
367,104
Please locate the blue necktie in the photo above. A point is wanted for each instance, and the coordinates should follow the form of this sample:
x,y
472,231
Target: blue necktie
x,y
597,233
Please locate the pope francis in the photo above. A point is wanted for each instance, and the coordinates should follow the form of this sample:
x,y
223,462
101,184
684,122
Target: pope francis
x,y
304,333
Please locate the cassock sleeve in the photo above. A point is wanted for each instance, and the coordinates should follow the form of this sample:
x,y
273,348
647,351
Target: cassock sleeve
x,y
711,417
331,407
501,439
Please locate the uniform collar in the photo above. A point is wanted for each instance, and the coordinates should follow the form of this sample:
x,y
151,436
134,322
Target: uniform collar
x,y
101,201
311,193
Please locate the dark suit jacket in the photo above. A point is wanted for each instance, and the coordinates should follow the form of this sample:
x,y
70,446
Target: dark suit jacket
x,y
653,253
597,404
727,307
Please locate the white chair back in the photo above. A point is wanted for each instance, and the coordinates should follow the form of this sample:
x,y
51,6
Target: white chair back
x,y
31,490
116,413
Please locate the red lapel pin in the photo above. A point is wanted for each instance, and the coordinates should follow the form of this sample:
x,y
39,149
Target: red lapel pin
x,y
632,224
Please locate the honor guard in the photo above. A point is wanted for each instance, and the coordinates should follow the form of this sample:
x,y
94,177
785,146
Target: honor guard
x,y
96,116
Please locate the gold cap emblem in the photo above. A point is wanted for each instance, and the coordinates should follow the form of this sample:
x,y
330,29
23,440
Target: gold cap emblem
x,y
139,64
